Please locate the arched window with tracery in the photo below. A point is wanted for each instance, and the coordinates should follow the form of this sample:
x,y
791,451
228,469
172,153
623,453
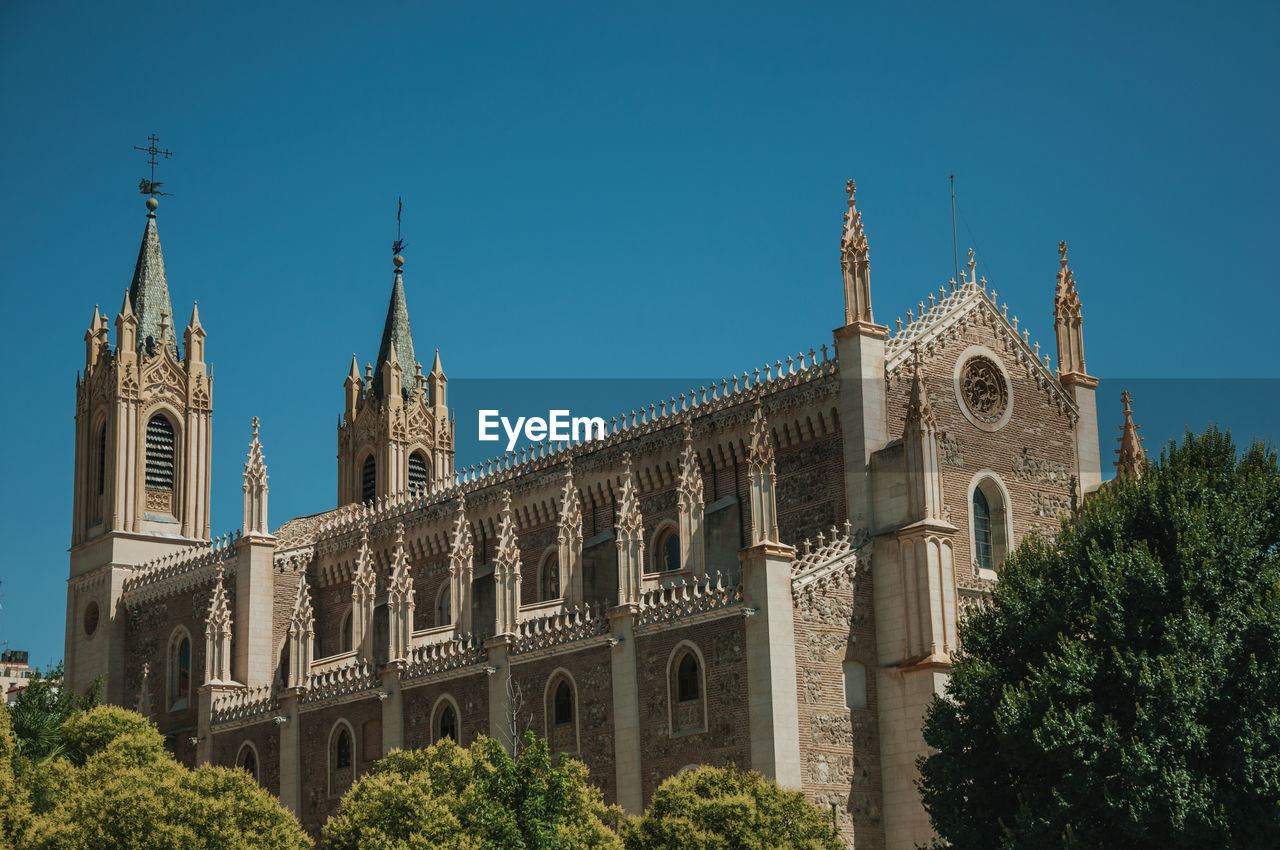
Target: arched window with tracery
x,y
368,479
179,670
562,713
419,478
348,640
342,759
687,691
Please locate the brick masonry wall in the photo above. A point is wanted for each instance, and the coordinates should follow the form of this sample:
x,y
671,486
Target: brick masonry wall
x,y
471,694
725,737
1033,454
365,719
265,738
590,739
149,629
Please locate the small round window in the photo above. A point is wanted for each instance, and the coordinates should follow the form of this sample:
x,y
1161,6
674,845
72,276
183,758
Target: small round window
x,y
91,616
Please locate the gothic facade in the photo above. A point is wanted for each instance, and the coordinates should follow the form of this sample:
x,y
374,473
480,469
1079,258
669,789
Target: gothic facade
x,y
765,571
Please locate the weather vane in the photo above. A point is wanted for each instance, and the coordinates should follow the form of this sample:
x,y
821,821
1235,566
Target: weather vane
x,y
151,187
398,246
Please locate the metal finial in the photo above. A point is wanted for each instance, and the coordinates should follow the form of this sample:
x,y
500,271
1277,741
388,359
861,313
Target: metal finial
x,y
149,186
398,246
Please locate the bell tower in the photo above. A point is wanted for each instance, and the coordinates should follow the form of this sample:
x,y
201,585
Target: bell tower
x,y
142,459
396,432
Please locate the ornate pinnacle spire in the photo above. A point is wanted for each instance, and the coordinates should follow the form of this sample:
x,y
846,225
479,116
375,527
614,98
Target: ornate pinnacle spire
x,y
302,621
1067,325
436,368
1066,301
689,485
570,506
919,408
149,292
218,635
353,376
1132,458
396,336
255,487
855,264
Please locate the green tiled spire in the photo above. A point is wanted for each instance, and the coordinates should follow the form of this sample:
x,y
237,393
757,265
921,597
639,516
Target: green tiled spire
x,y
149,292
396,333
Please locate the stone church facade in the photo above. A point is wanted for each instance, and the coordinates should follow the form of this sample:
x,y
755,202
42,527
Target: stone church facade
x,y
766,571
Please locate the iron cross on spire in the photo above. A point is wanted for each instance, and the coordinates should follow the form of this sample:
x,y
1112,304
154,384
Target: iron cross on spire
x,y
398,246
150,186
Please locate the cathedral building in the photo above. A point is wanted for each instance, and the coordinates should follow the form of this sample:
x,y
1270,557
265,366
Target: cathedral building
x,y
766,571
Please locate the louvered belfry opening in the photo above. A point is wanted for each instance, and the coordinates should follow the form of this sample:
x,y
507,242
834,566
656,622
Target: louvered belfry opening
x,y
418,478
160,450
368,479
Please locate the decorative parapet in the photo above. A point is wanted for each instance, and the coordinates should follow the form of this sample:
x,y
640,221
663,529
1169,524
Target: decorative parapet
x,y
244,705
795,371
340,676
178,571
951,313
558,627
832,562
687,598
431,659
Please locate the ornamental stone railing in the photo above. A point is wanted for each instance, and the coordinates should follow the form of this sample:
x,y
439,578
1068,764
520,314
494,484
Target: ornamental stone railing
x,y
178,571
430,659
243,704
829,564
340,676
688,598
560,626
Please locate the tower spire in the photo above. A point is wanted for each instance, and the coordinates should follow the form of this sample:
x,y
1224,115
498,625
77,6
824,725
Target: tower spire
x,y
149,290
395,333
1132,458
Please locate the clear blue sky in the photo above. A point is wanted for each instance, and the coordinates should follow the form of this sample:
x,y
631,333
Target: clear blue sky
x,y
600,190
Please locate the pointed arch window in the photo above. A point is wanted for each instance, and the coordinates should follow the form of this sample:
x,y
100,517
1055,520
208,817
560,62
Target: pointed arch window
x,y
342,759
179,670
348,641
368,479
100,461
161,445
981,530
419,478
444,610
666,550
247,760
562,714
988,523
686,690
447,724
549,577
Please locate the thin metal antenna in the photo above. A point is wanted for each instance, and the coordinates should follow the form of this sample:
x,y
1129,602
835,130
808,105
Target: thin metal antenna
x,y
955,250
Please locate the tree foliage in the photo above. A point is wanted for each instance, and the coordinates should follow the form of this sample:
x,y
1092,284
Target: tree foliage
x,y
40,710
715,808
469,799
113,785
1122,686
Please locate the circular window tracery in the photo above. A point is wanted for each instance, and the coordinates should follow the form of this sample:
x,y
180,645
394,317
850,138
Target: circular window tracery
x,y
984,390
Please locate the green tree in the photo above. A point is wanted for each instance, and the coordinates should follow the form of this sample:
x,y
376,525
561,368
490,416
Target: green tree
x,y
469,799
40,710
723,808
115,786
1122,686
